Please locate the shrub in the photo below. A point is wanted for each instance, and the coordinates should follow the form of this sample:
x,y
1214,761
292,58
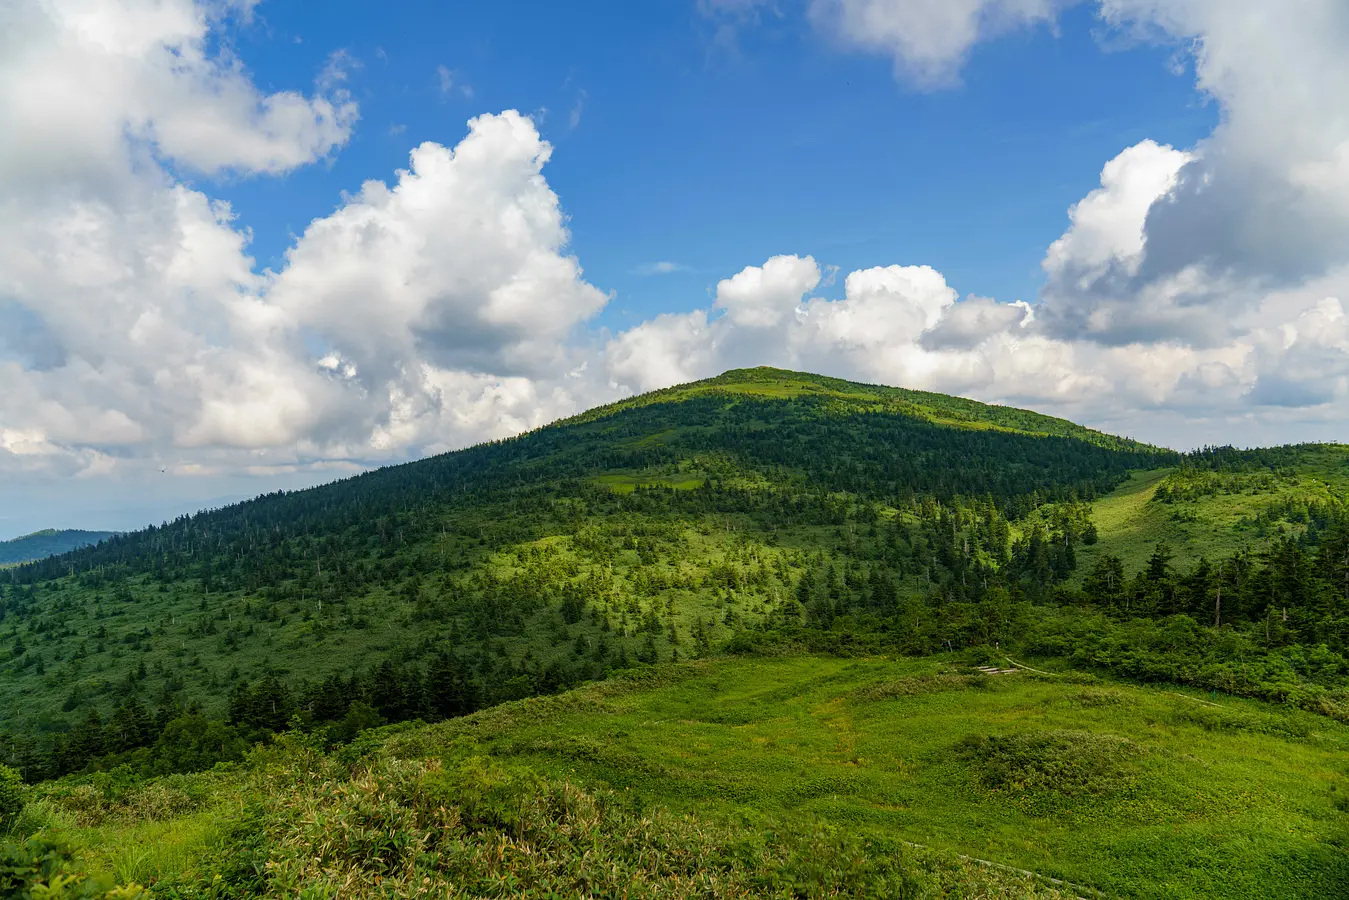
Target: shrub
x,y
37,868
11,797
473,827
1065,763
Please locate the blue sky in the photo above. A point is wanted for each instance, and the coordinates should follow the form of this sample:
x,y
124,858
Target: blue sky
x,y
259,244
685,150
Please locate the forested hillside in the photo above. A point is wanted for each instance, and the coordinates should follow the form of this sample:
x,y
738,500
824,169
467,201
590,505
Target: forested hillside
x,y
759,508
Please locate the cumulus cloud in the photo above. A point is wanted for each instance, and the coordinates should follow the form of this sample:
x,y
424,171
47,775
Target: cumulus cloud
x,y
1197,289
77,79
1187,245
1267,194
765,315
763,296
967,325
419,315
1107,225
929,40
460,264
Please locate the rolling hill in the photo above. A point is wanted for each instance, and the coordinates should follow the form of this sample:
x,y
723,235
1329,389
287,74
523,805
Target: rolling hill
x,y
51,542
759,515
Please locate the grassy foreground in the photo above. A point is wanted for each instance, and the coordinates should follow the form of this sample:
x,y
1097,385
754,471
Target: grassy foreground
x,y
792,776
1131,791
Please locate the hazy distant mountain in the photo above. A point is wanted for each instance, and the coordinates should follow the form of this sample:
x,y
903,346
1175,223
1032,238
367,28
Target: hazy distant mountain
x,y
49,542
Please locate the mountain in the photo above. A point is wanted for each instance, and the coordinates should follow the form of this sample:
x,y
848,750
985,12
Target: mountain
x,y
640,530
647,529
759,515
457,550
50,542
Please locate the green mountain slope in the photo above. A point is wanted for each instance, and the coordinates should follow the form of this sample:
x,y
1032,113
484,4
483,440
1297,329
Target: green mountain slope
x,y
765,382
736,510
480,550
51,542
761,515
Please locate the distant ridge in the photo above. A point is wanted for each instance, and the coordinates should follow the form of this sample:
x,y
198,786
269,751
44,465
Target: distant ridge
x,y
49,542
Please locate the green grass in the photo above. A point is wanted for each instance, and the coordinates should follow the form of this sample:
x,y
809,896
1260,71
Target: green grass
x,y
626,483
747,771
1230,800
357,824
1131,522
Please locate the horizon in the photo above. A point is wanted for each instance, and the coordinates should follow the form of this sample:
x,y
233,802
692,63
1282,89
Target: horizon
x,y
251,248
227,501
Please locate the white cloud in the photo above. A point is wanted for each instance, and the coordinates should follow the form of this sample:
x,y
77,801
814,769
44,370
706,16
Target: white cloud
x,y
134,326
874,332
438,300
764,296
1107,224
459,263
447,81
1260,205
928,39
661,267
77,79
966,325
444,306
670,349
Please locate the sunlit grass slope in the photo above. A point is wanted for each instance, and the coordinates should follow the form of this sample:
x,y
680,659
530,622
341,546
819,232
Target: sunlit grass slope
x,y
1131,791
1226,513
788,776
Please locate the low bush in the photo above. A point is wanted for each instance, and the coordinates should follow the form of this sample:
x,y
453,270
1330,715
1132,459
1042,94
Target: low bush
x,y
1070,764
39,869
470,826
11,797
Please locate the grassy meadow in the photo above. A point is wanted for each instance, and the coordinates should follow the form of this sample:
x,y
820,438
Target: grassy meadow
x,y
1129,791
880,776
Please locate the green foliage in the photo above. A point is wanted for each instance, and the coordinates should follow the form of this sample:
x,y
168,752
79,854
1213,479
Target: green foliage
x,y
120,795
1221,501
38,869
1039,769
11,797
761,512
472,827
